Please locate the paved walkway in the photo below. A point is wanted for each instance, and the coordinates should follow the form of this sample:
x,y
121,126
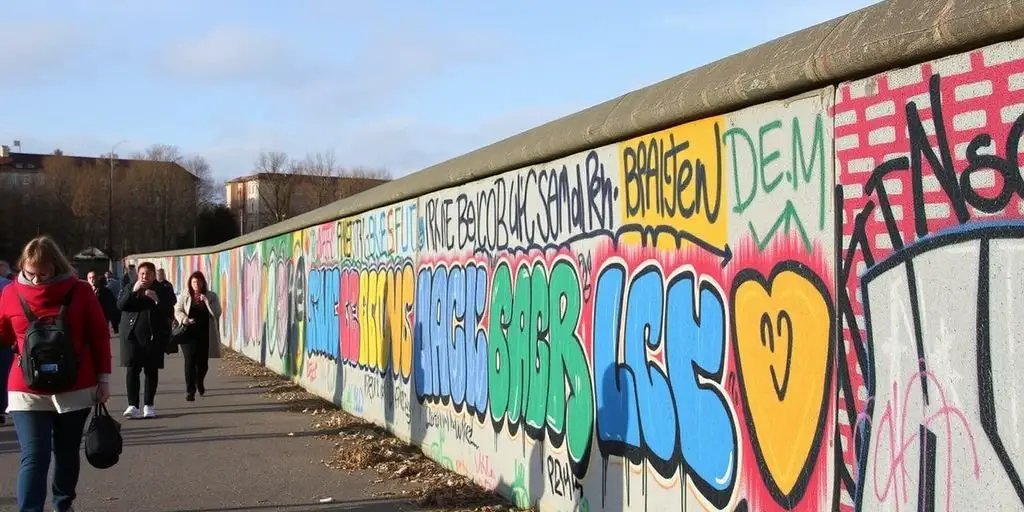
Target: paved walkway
x,y
228,451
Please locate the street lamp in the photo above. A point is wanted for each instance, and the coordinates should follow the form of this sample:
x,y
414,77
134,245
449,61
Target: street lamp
x,y
110,208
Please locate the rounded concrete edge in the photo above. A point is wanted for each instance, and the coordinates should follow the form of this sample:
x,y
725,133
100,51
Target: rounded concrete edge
x,y
883,36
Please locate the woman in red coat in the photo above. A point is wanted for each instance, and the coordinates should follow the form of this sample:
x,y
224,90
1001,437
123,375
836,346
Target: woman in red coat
x,y
52,420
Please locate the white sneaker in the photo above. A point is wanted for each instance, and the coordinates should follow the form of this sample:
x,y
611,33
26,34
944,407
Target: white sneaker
x,y
148,411
131,412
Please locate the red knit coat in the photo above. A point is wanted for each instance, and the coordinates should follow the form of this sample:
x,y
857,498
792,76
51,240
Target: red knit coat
x,y
84,321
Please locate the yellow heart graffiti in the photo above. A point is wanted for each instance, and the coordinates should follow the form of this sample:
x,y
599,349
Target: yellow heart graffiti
x,y
783,334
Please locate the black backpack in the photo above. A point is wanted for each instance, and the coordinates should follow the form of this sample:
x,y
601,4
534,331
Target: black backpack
x,y
103,441
48,362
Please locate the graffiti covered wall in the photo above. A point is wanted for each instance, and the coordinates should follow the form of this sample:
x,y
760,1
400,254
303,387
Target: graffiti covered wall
x,y
803,305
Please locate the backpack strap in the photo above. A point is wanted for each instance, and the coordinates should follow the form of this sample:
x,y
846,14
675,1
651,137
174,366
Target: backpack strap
x,y
25,309
66,304
63,306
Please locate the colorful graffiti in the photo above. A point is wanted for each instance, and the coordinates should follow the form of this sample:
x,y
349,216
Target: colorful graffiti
x,y
931,200
803,305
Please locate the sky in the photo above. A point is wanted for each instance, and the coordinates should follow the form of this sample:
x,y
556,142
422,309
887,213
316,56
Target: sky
x,y
395,84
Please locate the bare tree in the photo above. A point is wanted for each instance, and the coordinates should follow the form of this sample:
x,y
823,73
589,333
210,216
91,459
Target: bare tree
x,y
58,199
172,193
160,153
276,190
376,173
209,192
323,171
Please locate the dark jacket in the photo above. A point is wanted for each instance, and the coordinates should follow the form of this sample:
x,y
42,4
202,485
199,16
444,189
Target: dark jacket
x,y
109,304
145,327
167,285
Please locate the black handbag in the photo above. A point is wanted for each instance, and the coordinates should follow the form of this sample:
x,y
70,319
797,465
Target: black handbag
x,y
178,333
103,441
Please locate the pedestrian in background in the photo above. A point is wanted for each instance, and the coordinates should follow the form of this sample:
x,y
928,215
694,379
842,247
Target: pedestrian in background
x,y
5,271
147,309
161,279
128,278
108,301
113,284
198,309
52,421
6,359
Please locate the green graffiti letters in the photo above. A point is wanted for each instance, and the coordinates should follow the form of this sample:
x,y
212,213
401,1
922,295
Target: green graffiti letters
x,y
534,351
761,177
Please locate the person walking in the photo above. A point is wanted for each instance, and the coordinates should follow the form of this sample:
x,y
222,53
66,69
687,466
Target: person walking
x,y
6,359
129,276
198,309
145,331
161,279
113,284
108,301
50,406
5,271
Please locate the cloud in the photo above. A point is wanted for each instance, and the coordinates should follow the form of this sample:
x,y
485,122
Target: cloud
x,y
401,144
376,64
388,64
34,52
231,55
406,145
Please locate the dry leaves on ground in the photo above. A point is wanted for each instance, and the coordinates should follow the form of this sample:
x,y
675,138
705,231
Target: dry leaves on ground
x,y
362,445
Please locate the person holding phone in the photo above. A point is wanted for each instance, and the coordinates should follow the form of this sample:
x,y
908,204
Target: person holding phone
x,y
145,331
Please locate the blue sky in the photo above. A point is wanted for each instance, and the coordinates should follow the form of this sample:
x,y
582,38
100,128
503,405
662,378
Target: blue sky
x,y
400,84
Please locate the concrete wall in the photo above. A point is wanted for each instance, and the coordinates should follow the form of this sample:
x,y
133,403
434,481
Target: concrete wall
x,y
806,303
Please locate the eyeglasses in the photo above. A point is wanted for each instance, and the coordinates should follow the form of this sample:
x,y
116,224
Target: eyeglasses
x,y
35,277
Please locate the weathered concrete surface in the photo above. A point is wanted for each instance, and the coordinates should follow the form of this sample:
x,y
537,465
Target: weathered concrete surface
x,y
886,35
228,451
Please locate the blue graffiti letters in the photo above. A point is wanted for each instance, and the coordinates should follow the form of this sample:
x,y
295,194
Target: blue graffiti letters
x,y
697,432
450,343
324,287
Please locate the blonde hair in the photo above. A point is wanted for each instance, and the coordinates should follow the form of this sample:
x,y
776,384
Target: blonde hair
x,y
43,251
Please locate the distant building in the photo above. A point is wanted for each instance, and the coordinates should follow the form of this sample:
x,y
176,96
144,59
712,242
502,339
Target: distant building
x,y
93,201
263,199
24,169
19,169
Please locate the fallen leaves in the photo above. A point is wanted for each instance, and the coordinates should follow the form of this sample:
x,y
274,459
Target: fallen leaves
x,y
360,445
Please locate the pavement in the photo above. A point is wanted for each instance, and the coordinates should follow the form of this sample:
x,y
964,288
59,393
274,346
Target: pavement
x,y
228,451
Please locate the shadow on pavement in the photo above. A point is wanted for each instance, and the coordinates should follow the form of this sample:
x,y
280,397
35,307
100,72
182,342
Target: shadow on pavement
x,y
221,392
179,412
348,506
8,440
177,436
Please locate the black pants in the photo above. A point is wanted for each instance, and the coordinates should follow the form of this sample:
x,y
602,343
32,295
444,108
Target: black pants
x,y
152,379
197,363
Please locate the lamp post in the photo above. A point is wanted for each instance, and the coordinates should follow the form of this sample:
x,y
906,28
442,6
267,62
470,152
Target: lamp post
x,y
110,209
